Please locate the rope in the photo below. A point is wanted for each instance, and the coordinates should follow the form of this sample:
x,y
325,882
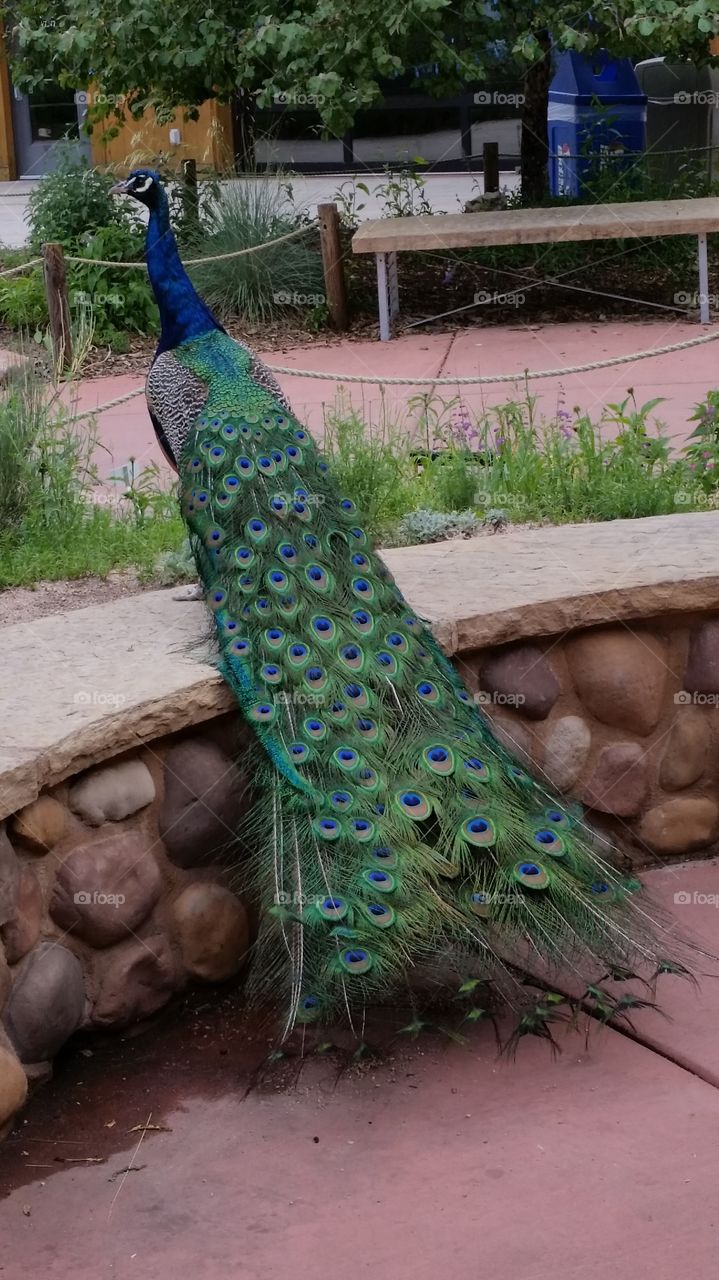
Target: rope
x,y
443,382
24,266
499,377
193,262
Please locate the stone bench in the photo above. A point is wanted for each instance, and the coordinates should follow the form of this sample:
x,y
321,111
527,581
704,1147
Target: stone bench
x,y
386,237
593,648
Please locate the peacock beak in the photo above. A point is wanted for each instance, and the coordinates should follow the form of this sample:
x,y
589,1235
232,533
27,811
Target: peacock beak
x,y
120,188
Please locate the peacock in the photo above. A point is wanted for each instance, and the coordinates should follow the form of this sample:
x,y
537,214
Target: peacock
x,y
391,828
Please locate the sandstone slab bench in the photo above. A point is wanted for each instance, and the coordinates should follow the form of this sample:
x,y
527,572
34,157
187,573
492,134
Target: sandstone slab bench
x,y
594,650
386,237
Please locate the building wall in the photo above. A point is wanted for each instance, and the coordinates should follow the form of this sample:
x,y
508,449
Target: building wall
x,y
8,167
207,140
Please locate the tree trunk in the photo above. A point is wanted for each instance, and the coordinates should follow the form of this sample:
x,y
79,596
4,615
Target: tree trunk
x,y
243,122
535,152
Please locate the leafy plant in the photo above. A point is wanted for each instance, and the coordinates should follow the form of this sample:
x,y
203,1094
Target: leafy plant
x,y
23,304
702,452
55,520
420,480
434,526
402,194
72,201
120,299
256,286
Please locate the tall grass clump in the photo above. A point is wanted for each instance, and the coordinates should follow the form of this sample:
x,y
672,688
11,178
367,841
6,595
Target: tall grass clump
x,y
427,478
56,520
259,285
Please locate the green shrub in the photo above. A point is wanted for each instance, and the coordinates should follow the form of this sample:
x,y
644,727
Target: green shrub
x,y
22,300
259,285
114,301
427,480
71,202
51,522
119,300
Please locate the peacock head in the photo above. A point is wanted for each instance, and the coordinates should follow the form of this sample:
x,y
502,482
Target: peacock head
x,y
144,184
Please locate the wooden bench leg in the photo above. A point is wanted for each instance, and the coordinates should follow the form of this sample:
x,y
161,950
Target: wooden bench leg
x,y
387,293
703,279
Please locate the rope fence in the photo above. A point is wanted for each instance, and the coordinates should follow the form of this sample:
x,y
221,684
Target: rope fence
x,y
196,262
478,380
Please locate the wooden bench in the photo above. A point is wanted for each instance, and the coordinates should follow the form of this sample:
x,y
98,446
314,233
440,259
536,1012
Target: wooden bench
x,y
386,237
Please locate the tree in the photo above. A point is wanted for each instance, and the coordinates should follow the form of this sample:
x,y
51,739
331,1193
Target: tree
x,y
140,54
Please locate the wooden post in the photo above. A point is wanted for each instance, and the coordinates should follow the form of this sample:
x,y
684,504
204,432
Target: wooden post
x,y
490,153
335,289
190,197
58,306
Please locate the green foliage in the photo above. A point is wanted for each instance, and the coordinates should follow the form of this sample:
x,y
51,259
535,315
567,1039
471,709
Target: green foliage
x,y
110,301
71,202
118,299
446,473
435,526
337,53
55,522
176,566
22,300
258,285
702,452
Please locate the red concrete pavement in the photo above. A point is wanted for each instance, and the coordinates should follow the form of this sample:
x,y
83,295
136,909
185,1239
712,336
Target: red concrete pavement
x,y
441,1163
682,378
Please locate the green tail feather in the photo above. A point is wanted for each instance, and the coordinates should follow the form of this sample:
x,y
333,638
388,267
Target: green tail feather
x,y
391,825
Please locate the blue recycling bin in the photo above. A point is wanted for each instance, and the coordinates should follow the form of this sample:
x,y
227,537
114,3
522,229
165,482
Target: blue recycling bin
x,y
597,115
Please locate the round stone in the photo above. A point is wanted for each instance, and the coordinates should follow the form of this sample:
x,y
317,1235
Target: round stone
x,y
212,930
47,1002
620,676
135,980
105,889
682,825
40,825
13,1087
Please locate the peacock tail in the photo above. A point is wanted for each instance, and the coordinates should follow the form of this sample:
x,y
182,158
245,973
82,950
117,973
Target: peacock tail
x,y
391,825
391,828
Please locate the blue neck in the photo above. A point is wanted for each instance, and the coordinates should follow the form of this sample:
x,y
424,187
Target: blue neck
x,y
183,314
